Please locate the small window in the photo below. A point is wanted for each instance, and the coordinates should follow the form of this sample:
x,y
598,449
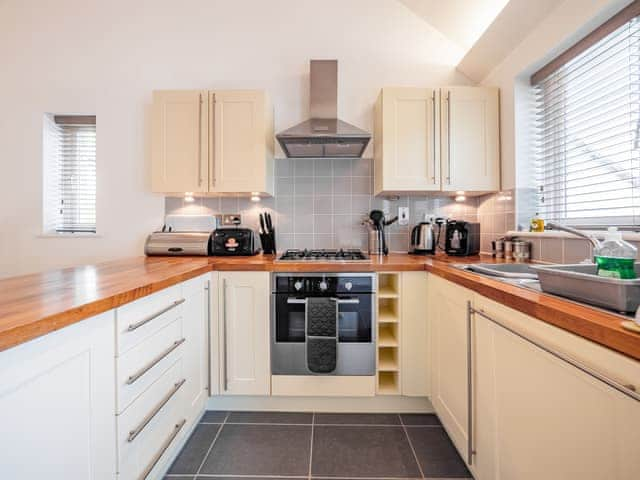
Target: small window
x,y
587,126
69,174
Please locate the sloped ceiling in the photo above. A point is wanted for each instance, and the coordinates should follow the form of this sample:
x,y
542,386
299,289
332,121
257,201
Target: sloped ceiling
x,y
462,21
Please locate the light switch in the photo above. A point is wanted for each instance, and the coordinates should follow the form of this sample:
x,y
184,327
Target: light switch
x,y
403,215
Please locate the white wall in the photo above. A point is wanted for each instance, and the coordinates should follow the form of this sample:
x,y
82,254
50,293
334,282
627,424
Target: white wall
x,y
105,57
565,25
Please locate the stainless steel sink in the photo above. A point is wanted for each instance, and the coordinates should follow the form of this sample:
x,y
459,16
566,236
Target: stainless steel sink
x,y
503,270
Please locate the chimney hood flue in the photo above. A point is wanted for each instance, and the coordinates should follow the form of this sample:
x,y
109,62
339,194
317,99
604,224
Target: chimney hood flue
x,y
324,135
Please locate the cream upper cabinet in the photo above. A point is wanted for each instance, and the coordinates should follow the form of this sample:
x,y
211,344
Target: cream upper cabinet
x,y
245,367
180,147
405,147
537,415
212,142
57,402
449,357
470,140
241,157
414,334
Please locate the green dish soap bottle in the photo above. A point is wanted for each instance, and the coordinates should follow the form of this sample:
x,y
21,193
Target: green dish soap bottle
x,y
615,258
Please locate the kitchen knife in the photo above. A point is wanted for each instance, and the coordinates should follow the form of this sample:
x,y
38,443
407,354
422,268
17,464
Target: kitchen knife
x,y
267,217
262,229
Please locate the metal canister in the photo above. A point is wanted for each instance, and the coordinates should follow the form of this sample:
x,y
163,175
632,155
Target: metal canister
x,y
521,250
508,249
498,248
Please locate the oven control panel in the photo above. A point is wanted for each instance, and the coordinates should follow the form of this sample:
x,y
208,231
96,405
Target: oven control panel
x,y
324,284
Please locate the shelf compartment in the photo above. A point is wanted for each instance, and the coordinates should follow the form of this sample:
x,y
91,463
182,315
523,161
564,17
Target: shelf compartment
x,y
387,335
388,383
388,285
388,359
388,311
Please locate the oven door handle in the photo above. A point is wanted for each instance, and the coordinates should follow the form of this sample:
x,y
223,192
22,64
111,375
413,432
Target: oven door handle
x,y
339,301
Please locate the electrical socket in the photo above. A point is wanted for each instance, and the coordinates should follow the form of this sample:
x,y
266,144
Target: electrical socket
x,y
403,215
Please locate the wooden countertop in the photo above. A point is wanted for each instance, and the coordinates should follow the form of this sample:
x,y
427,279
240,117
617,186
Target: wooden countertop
x,y
34,305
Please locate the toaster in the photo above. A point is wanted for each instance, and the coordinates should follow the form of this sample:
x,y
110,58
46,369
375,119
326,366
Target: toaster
x,y
234,241
462,238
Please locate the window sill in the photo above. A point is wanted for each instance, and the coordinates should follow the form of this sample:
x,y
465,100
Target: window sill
x,y
69,235
599,234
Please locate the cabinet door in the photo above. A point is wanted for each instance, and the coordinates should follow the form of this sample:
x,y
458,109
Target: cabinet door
x,y
179,144
541,417
195,312
406,153
238,162
470,148
414,346
245,368
449,377
57,404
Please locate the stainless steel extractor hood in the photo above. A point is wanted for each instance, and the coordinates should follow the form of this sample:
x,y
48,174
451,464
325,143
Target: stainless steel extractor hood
x,y
324,135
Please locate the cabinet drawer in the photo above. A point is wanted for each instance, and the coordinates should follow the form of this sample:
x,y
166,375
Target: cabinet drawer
x,y
150,421
146,362
139,320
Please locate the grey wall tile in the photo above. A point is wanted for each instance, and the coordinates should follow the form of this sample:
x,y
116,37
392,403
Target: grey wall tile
x,y
323,185
284,186
303,186
303,224
360,204
322,167
229,205
342,204
342,185
361,185
361,167
303,205
322,224
341,167
303,240
323,204
303,167
284,167
323,241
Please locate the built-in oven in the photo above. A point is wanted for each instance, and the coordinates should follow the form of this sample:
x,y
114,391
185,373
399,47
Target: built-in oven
x,y
354,294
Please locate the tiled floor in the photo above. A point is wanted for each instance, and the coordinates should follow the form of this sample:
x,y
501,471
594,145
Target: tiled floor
x,y
275,445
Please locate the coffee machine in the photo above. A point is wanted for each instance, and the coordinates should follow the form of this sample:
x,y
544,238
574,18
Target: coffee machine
x,y
462,238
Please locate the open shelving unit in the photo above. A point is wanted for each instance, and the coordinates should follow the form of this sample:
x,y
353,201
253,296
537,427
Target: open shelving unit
x,y
388,371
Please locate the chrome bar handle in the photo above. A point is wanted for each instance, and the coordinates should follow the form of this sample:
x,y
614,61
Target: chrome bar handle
x,y
296,301
470,451
224,336
627,390
339,301
135,326
433,104
163,448
212,141
449,137
145,421
200,139
133,378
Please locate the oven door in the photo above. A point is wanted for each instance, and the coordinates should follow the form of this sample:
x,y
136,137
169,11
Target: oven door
x,y
356,335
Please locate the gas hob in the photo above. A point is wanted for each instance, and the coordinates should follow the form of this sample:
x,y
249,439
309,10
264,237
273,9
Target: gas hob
x,y
323,255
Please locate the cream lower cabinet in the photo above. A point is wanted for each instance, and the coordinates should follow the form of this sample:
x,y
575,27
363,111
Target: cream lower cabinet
x,y
522,412
437,139
449,357
212,142
57,404
243,325
538,416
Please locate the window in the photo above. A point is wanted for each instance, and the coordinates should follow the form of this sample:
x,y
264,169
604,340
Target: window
x,y
70,174
587,122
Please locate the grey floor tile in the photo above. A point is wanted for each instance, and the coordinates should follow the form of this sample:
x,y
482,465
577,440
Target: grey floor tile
x,y
271,417
357,419
436,454
194,451
362,451
420,419
214,416
269,450
179,477
218,477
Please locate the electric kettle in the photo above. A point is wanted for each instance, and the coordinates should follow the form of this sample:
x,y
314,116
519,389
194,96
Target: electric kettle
x,y
423,239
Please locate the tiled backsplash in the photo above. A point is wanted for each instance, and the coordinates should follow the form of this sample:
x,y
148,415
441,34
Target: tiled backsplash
x,y
320,203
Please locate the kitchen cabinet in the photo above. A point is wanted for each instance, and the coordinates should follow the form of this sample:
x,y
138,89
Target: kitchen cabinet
x,y
414,345
245,367
449,357
57,404
406,150
537,415
180,143
212,142
436,139
470,140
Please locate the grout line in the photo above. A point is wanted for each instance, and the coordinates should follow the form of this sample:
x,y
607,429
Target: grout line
x,y
324,424
313,421
413,450
212,443
318,477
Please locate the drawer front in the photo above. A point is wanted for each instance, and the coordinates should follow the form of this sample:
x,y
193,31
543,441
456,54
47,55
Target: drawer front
x,y
141,366
139,320
150,422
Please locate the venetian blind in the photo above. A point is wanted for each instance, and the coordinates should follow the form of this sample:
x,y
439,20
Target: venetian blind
x,y
72,174
587,121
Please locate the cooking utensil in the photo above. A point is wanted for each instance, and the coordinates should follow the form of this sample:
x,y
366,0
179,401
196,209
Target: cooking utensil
x,y
262,228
